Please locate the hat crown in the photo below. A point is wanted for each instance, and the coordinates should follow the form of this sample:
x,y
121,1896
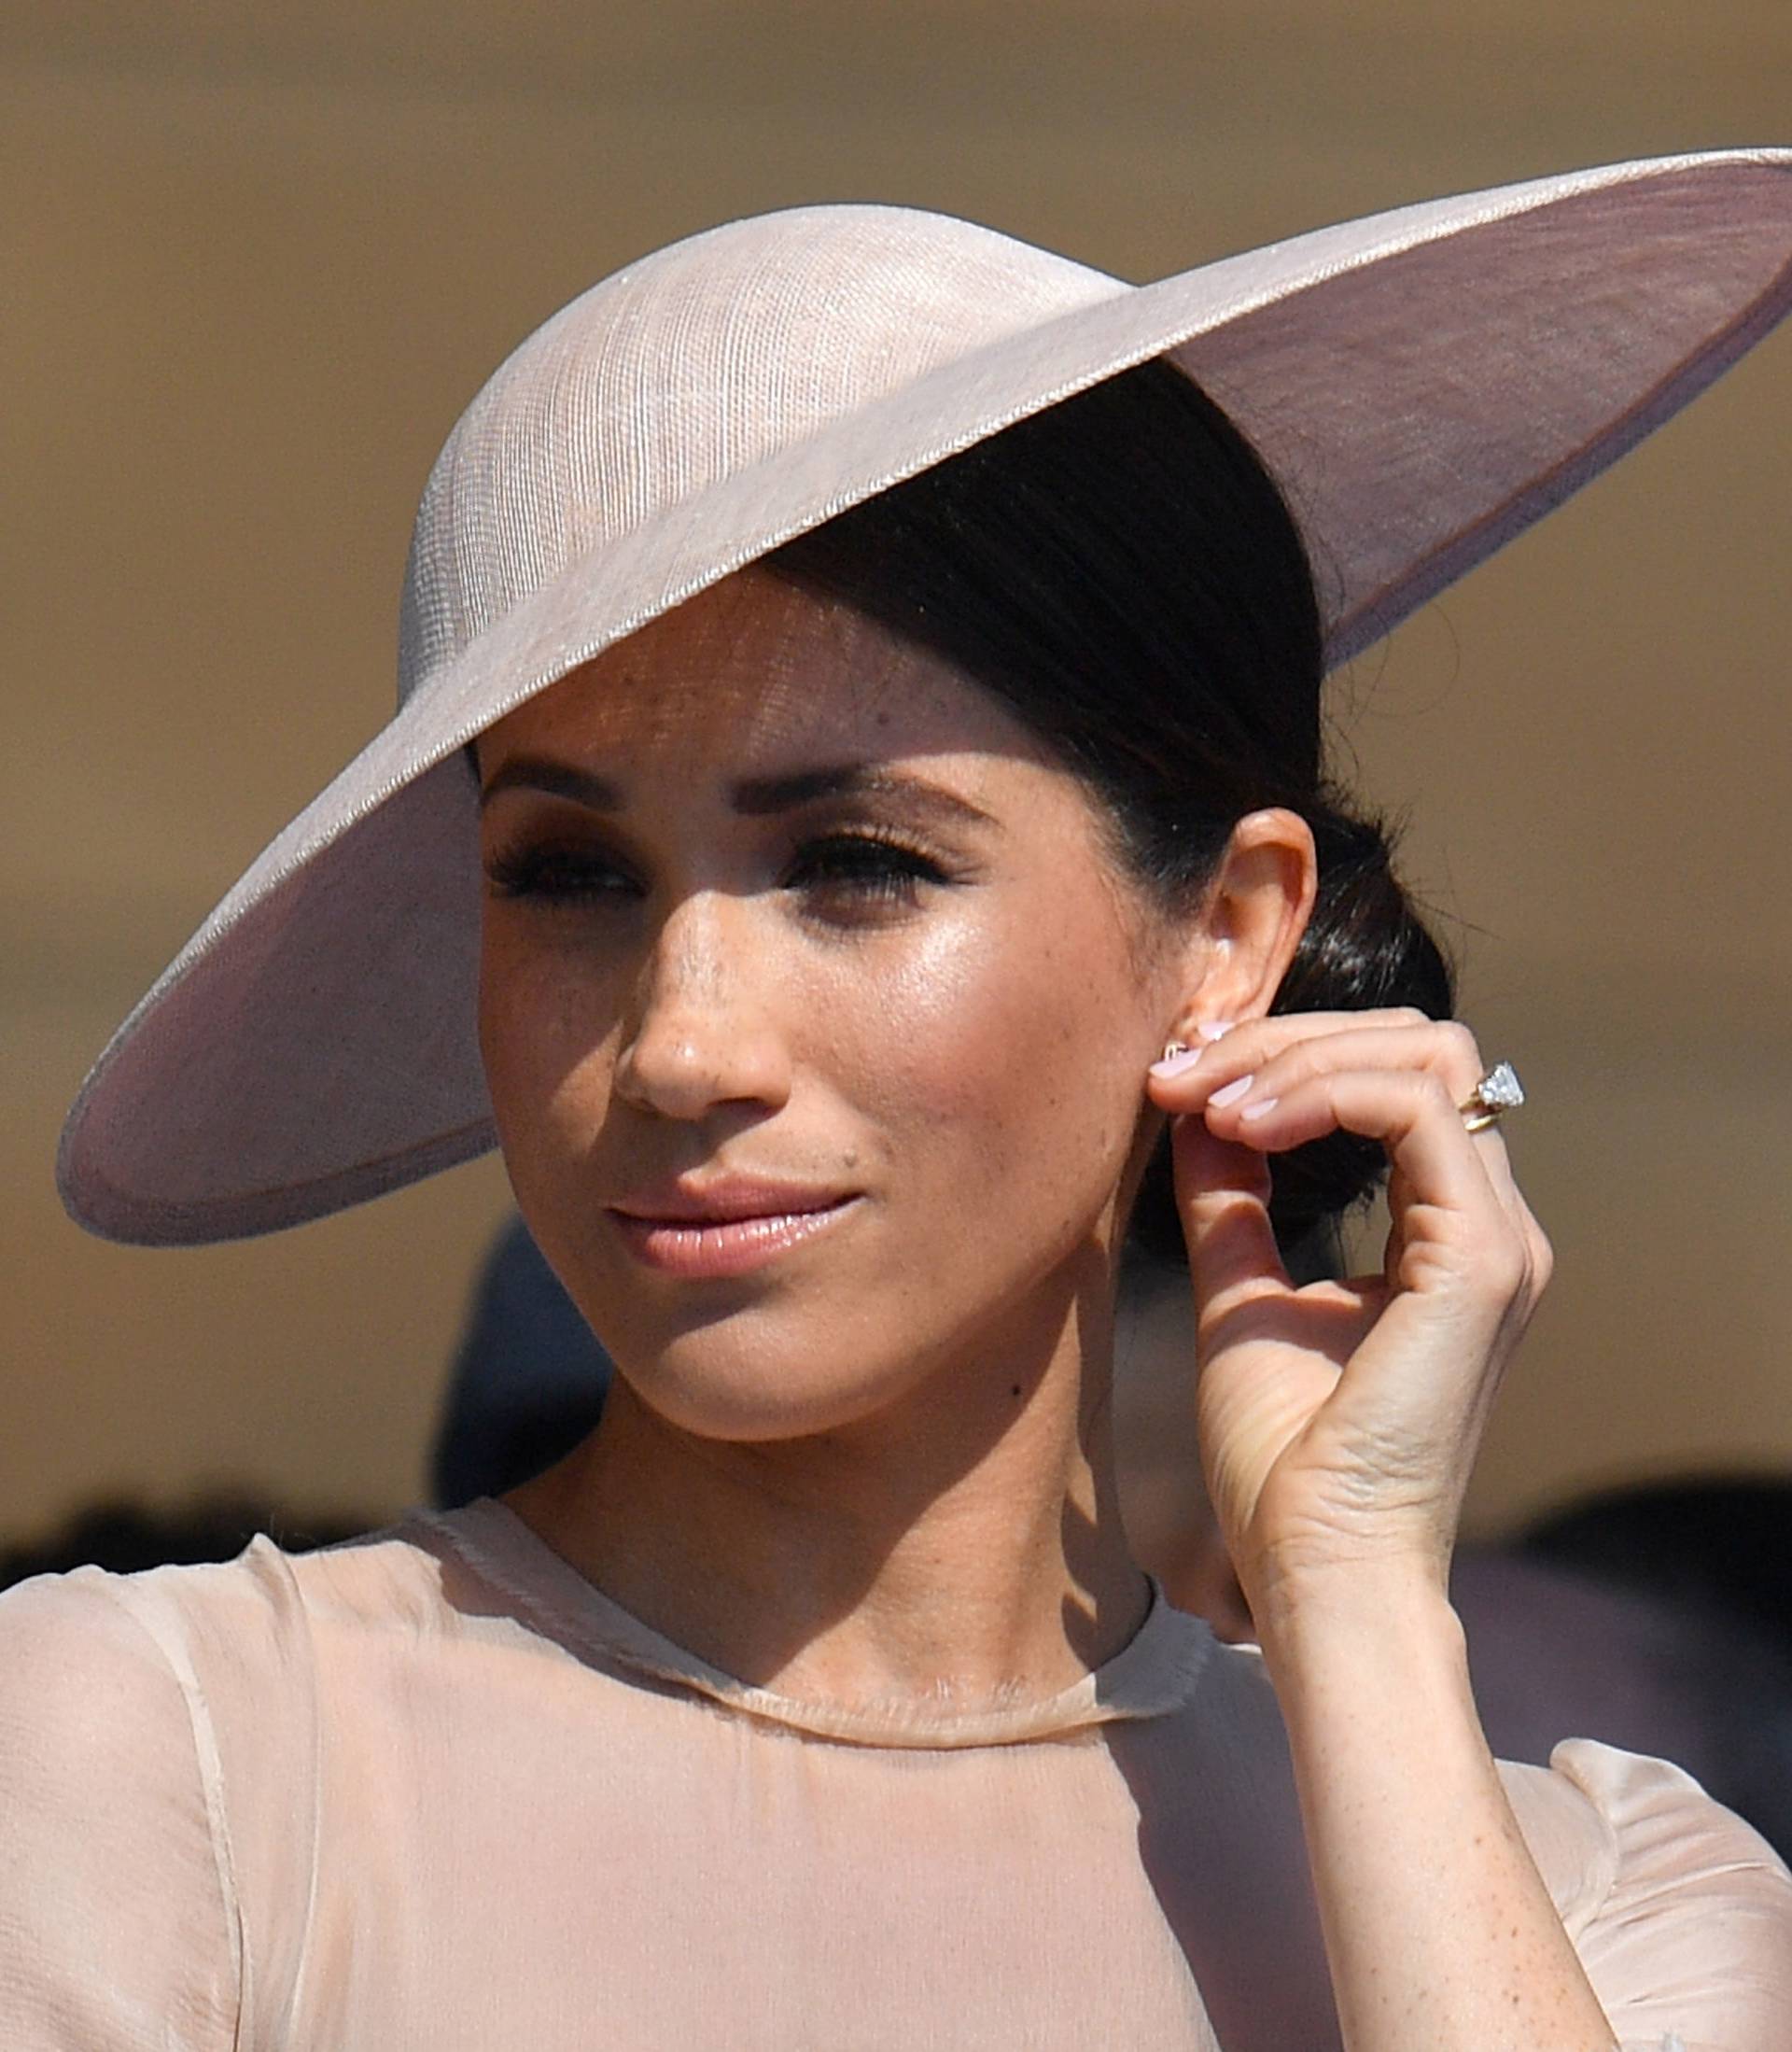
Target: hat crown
x,y
691,365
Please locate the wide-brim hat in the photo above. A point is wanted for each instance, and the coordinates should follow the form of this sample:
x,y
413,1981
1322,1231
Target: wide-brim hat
x,y
1424,384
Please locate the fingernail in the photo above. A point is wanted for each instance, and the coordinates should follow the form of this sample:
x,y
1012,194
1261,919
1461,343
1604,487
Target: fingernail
x,y
1231,1093
1176,1065
1259,1108
1215,1029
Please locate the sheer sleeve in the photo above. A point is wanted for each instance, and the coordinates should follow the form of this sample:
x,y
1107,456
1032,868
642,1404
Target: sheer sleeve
x,y
1682,1916
117,1913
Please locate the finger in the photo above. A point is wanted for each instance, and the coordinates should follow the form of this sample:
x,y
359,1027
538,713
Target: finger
x,y
1458,1245
1411,1111
1255,1039
1223,1196
1515,1229
1295,1046
1244,1070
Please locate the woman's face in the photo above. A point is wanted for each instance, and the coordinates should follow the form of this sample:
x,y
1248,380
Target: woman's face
x,y
815,1011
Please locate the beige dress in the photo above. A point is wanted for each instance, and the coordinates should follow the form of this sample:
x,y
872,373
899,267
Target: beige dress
x,y
432,1790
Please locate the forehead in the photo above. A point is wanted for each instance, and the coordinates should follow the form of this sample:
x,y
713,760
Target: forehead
x,y
755,673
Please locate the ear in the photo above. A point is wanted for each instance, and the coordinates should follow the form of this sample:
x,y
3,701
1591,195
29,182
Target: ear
x,y
1255,910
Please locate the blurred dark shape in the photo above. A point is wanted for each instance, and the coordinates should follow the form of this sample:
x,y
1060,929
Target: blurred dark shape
x,y
1555,1652
527,1384
124,1537
1721,1543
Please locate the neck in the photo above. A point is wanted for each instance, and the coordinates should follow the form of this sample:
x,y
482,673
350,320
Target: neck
x,y
892,1561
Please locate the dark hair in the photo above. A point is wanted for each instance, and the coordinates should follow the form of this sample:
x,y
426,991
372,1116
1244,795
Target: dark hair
x,y
1123,575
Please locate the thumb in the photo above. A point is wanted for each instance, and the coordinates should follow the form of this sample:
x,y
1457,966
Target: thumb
x,y
1223,1196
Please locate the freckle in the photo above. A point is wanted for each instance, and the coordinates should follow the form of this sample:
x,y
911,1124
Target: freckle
x,y
1015,1390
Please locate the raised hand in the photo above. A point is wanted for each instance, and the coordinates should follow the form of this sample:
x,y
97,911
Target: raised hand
x,y
1339,1422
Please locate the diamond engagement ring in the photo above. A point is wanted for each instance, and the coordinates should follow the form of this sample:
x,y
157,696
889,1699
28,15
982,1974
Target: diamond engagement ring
x,y
1499,1091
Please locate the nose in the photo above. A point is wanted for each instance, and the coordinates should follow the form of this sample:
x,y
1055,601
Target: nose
x,y
703,1029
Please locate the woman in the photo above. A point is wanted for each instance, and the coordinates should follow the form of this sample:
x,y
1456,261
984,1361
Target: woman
x,y
883,704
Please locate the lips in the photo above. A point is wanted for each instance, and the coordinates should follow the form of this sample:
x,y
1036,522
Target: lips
x,y
725,1227
726,1201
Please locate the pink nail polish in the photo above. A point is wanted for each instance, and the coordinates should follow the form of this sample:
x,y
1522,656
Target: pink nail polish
x,y
1259,1108
1215,1029
1178,1064
1231,1093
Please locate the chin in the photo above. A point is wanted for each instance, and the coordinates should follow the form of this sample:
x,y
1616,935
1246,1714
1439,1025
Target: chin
x,y
748,1379
744,1408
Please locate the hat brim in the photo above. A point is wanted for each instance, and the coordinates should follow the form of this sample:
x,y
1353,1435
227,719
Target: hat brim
x,y
1424,384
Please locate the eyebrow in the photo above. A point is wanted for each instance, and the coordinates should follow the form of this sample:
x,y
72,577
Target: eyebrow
x,y
559,780
754,797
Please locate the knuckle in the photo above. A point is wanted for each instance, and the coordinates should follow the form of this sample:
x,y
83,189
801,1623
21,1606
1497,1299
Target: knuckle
x,y
1459,1041
1432,1091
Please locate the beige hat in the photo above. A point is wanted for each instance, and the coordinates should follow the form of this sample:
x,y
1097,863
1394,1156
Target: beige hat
x,y
1424,384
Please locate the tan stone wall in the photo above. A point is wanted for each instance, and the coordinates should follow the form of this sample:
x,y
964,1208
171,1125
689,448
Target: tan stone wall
x,y
254,259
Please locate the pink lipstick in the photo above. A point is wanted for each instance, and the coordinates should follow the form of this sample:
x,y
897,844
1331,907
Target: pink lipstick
x,y
725,1227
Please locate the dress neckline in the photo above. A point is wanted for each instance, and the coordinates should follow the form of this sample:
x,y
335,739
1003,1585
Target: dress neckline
x,y
1154,1674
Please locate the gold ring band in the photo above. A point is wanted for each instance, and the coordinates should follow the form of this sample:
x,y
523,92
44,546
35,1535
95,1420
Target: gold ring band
x,y
1498,1091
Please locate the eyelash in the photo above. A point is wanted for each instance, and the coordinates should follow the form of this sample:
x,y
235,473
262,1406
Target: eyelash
x,y
875,866
554,874
879,869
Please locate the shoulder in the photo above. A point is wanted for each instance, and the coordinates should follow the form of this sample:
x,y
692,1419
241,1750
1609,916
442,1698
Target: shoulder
x,y
77,1650
121,1682
162,1739
95,1682
1681,1913
73,1668
116,1898
252,1657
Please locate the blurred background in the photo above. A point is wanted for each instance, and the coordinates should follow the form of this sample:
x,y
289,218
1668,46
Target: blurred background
x,y
254,261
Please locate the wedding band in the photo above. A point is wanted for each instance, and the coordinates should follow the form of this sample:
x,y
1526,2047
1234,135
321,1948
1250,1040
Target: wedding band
x,y
1499,1091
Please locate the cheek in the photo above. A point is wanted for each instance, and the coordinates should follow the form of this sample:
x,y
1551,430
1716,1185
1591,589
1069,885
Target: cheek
x,y
543,1040
1009,1041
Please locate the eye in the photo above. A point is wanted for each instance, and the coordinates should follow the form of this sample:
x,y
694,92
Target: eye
x,y
867,870
558,873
